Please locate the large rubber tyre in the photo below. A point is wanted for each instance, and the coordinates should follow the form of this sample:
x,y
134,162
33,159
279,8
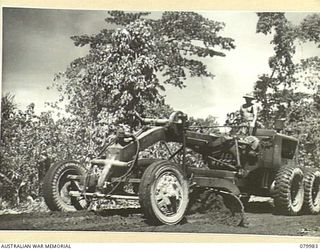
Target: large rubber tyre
x,y
312,191
56,187
164,193
288,190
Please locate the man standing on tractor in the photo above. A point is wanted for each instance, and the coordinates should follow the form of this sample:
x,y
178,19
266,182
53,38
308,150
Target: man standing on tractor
x,y
249,115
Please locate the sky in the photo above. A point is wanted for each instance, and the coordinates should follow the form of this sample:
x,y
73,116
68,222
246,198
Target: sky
x,y
37,44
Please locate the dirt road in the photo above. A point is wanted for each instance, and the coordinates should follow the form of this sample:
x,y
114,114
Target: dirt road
x,y
259,217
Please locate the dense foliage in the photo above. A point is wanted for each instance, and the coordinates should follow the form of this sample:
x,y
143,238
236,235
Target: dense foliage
x,y
128,68
29,144
292,90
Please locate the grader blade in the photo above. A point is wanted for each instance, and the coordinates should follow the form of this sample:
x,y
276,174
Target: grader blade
x,y
217,206
234,204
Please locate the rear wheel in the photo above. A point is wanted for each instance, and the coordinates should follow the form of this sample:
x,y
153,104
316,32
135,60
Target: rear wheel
x,y
312,191
163,193
56,187
288,190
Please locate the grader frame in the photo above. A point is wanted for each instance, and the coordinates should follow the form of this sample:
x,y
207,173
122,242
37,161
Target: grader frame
x,y
236,167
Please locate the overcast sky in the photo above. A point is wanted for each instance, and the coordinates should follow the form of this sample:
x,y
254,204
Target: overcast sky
x,y
37,44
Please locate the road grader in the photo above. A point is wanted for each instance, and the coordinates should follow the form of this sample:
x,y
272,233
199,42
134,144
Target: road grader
x,y
234,167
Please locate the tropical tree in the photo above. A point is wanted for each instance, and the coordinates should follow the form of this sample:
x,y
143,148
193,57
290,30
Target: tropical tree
x,y
128,68
280,92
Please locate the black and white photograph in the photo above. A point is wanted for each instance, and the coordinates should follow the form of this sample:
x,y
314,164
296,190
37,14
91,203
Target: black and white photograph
x,y
160,121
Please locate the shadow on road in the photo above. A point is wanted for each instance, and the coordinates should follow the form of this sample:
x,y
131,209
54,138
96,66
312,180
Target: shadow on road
x,y
259,207
122,212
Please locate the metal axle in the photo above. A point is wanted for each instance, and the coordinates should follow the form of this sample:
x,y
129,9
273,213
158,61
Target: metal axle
x,y
100,195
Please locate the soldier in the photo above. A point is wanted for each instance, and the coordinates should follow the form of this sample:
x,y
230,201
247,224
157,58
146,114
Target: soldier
x,y
249,115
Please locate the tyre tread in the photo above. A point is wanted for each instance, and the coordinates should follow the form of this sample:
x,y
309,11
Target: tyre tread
x,y
50,192
144,187
282,190
308,206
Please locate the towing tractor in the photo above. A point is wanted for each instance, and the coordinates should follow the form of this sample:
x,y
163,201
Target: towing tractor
x,y
234,166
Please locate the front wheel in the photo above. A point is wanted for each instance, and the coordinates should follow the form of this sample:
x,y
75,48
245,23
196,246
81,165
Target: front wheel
x,y
288,190
56,187
163,193
312,191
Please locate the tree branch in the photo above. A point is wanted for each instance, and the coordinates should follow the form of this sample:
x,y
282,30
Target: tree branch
x,y
6,179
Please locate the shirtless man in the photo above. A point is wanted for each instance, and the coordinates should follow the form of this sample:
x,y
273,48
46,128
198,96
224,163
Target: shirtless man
x,y
249,114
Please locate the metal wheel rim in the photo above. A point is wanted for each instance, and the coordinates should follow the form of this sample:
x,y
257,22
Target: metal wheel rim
x,y
63,186
168,194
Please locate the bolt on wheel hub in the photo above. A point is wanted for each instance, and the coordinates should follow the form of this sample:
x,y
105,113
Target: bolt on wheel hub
x,y
168,194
